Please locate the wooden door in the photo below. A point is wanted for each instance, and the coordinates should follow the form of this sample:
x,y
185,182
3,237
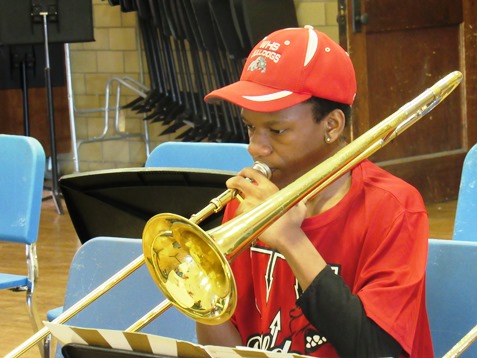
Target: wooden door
x,y
400,48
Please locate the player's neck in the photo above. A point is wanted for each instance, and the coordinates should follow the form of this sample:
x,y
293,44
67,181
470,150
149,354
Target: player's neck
x,y
330,196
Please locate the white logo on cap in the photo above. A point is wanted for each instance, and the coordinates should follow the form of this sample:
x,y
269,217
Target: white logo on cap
x,y
259,64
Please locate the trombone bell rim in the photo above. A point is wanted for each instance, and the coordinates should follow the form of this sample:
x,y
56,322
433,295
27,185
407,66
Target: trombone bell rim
x,y
182,258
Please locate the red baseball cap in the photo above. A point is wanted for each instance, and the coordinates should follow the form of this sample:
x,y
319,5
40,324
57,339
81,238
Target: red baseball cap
x,y
288,67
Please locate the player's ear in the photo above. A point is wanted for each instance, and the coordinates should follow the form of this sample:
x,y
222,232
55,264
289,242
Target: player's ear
x,y
334,124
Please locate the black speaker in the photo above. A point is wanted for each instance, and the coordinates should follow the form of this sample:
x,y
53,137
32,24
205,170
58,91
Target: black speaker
x,y
68,21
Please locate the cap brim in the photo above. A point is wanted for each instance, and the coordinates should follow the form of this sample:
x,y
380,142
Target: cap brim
x,y
256,97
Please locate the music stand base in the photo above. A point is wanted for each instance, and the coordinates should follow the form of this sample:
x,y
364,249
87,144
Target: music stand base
x,y
56,196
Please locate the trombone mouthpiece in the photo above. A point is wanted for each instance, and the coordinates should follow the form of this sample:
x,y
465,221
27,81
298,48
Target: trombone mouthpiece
x,y
262,168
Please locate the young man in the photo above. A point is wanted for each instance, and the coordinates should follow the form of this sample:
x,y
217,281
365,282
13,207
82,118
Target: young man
x,y
344,273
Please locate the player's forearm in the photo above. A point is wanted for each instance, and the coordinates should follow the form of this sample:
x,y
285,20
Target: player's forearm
x,y
302,257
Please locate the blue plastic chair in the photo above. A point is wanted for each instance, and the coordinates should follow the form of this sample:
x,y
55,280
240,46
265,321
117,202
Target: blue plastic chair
x,y
95,262
466,214
22,163
201,155
451,293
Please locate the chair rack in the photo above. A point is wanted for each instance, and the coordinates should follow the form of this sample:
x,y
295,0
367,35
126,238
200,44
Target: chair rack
x,y
117,133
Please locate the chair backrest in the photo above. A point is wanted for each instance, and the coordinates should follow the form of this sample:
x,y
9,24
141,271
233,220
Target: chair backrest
x,y
22,168
451,286
99,259
202,155
466,211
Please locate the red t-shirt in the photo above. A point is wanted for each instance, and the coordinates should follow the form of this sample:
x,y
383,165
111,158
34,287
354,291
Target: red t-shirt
x,y
375,238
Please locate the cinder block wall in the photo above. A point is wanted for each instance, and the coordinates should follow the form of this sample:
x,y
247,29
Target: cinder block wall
x,y
115,54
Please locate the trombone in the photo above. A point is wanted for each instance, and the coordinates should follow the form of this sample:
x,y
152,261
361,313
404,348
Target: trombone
x,y
463,344
191,266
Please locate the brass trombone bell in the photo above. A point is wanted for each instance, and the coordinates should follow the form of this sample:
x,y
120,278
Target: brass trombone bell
x,y
189,265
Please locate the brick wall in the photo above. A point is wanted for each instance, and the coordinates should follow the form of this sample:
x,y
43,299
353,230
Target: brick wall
x,y
115,53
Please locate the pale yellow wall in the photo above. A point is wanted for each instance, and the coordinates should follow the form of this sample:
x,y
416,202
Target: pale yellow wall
x,y
115,54
321,14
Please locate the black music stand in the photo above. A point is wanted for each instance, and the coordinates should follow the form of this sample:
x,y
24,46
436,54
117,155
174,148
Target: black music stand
x,y
27,22
119,202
